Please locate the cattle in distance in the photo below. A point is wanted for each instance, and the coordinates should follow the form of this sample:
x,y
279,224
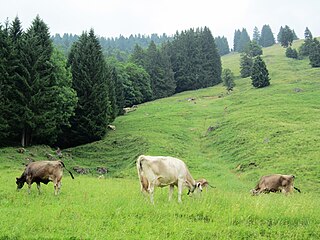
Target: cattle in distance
x,y
275,183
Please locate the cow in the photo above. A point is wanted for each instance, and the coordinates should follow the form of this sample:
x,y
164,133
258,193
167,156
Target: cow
x,y
275,183
159,171
42,172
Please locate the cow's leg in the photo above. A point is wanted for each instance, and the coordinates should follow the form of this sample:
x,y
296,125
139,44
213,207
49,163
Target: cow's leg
x,y
55,185
29,188
180,186
151,191
38,186
171,187
59,187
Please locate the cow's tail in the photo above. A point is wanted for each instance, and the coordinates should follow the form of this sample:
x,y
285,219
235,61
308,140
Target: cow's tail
x,y
143,180
297,189
67,170
139,164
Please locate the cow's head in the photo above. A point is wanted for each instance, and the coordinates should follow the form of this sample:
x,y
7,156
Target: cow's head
x,y
20,182
194,187
254,192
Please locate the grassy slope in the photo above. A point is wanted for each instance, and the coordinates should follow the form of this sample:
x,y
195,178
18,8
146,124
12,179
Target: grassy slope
x,y
277,128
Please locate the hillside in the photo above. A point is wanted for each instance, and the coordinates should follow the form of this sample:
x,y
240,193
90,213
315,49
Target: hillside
x,y
256,131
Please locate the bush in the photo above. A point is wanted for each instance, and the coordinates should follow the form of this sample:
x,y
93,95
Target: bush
x,y
291,53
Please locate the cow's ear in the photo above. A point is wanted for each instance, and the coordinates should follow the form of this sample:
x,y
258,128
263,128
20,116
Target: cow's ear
x,y
17,178
198,185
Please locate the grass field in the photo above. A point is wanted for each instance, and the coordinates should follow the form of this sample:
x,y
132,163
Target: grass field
x,y
255,132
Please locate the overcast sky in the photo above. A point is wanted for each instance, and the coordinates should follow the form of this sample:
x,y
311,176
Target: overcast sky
x,y
110,18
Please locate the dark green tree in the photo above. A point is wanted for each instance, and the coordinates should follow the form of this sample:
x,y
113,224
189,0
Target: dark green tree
x,y
305,48
138,56
195,60
236,40
314,54
159,69
253,49
266,38
286,36
90,80
222,45
244,40
291,53
256,35
209,59
228,79
42,99
259,74
137,85
245,65
4,77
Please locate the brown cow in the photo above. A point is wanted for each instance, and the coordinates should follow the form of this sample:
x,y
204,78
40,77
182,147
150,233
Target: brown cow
x,y
275,183
42,172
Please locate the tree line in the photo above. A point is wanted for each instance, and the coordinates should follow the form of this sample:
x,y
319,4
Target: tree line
x,y
50,98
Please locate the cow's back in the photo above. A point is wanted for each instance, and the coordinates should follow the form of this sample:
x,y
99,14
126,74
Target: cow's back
x,y
44,169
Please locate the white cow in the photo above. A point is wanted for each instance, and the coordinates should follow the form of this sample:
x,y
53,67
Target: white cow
x,y
158,171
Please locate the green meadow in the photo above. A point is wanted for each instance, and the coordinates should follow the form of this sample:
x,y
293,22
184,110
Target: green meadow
x,y
229,139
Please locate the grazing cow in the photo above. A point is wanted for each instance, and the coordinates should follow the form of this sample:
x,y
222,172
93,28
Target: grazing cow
x,y
42,172
275,183
158,171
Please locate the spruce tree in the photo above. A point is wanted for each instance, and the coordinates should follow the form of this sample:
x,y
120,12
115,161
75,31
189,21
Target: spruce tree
x,y
228,79
210,60
253,49
256,35
236,40
291,53
305,48
314,55
42,101
286,36
222,45
266,38
245,65
4,101
244,40
259,74
90,80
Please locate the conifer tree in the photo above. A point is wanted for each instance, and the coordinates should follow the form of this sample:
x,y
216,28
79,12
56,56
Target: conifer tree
x,y
4,101
256,35
228,79
90,80
236,40
245,65
222,45
42,100
291,53
253,49
210,60
305,48
244,40
266,38
259,74
285,36
314,54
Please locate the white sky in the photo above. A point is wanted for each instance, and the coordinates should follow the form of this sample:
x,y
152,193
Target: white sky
x,y
110,18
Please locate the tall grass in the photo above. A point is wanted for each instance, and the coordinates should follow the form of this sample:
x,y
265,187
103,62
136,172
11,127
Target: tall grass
x,y
230,139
